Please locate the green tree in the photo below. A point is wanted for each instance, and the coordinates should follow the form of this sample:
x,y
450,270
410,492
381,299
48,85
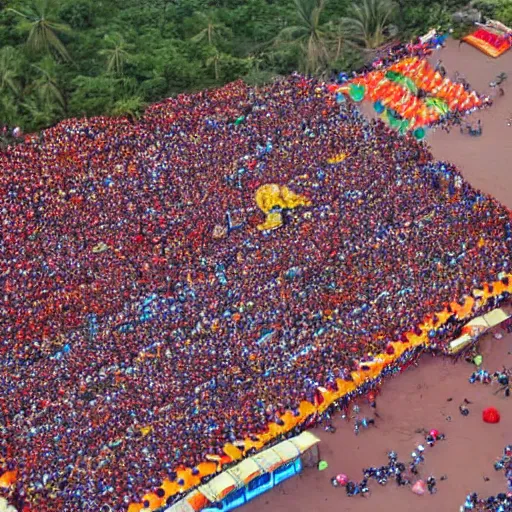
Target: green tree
x,y
504,12
131,107
215,62
164,4
9,112
309,34
117,53
78,14
368,22
40,114
10,70
40,21
50,94
212,31
93,95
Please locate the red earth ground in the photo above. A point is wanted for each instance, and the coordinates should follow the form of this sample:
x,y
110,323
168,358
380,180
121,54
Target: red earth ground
x,y
420,397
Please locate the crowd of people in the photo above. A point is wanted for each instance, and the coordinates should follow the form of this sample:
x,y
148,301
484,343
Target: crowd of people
x,y
133,341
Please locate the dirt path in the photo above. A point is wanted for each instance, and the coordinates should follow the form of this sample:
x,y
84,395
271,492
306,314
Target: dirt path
x,y
419,398
485,161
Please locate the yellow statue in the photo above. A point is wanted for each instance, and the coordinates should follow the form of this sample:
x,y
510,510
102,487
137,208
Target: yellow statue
x,y
336,159
272,196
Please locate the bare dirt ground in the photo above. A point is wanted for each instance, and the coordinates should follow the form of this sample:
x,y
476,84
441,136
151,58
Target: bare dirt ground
x,y
420,397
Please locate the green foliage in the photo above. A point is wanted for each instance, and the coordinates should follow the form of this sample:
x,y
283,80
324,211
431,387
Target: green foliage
x,y
500,10
461,30
116,53
368,22
39,21
9,71
308,34
416,18
505,14
47,86
503,11
78,14
62,58
131,107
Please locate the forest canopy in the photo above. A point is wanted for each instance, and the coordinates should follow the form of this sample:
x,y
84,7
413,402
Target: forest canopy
x,y
74,58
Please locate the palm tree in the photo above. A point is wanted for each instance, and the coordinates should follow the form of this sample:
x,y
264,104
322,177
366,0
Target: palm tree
x,y
48,90
368,22
336,39
43,27
9,113
165,4
117,54
9,70
215,61
309,34
212,31
41,115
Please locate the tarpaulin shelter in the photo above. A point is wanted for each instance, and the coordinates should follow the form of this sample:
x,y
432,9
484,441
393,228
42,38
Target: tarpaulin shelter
x,y
477,326
240,475
496,317
181,506
490,40
194,502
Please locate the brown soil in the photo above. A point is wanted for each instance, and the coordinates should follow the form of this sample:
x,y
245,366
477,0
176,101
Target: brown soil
x,y
420,397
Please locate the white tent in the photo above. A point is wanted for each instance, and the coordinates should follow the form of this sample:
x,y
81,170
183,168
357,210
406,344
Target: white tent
x,y
476,327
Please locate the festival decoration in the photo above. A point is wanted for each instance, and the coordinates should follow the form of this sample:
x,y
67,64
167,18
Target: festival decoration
x,y
357,91
403,80
395,94
336,159
342,479
379,107
340,97
419,488
272,197
8,479
322,465
438,104
419,134
432,83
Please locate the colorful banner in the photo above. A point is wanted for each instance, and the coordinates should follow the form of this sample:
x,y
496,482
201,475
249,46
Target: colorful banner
x,y
395,94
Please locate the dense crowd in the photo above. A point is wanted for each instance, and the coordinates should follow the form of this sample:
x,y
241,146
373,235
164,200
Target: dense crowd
x,y
132,341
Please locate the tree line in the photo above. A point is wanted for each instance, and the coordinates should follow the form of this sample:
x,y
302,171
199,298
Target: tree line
x,y
74,58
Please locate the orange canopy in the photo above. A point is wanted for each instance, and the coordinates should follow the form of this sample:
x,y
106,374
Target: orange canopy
x,y
8,478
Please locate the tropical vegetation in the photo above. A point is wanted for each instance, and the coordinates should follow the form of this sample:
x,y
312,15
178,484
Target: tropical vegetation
x,y
63,58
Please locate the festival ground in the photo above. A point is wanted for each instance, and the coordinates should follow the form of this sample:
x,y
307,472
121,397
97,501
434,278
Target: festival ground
x,y
419,398
112,441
